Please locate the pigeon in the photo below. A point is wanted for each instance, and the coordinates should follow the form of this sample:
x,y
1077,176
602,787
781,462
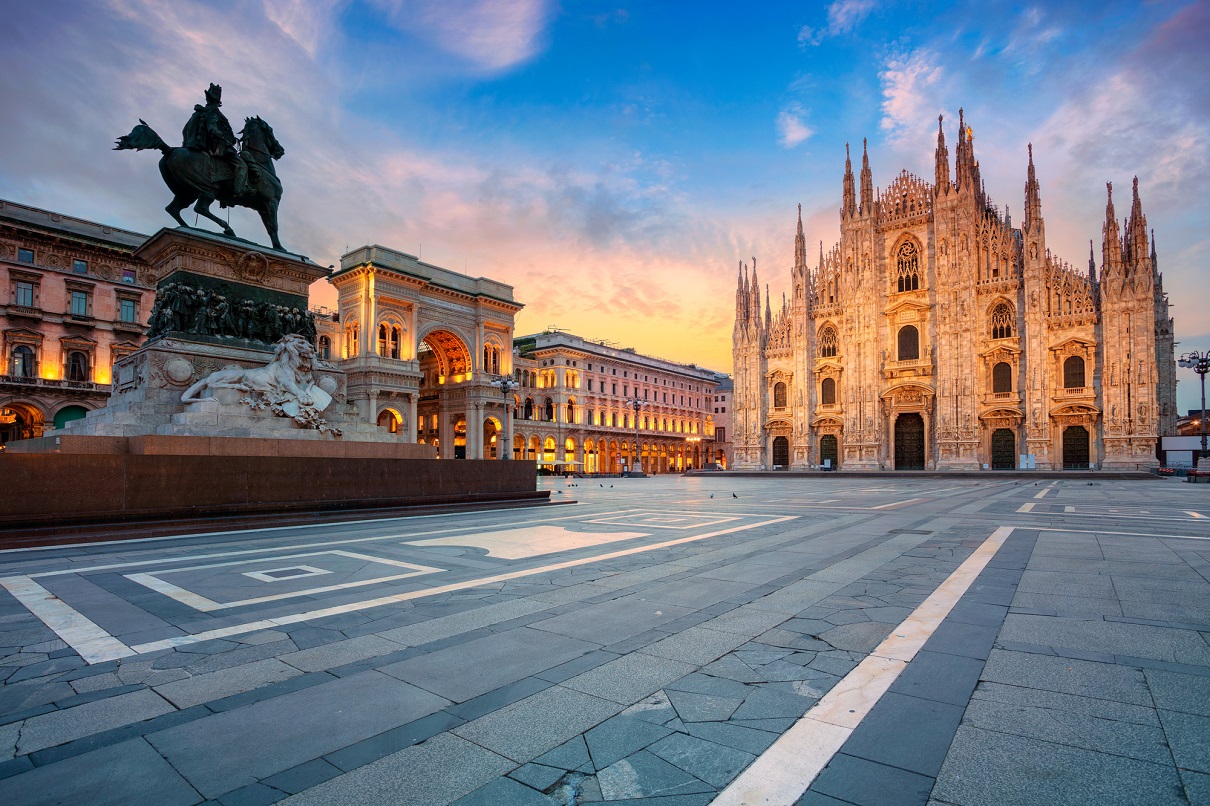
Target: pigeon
x,y
711,495
733,495
602,486
611,486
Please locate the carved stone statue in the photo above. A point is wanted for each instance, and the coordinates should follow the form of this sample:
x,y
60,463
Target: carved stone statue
x,y
285,386
209,168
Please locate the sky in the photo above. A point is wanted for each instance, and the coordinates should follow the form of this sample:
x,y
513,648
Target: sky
x,y
614,162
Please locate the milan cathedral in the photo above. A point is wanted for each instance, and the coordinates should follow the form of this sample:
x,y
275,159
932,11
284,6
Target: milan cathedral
x,y
936,335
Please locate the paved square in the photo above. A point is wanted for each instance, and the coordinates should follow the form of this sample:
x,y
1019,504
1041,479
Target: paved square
x,y
764,639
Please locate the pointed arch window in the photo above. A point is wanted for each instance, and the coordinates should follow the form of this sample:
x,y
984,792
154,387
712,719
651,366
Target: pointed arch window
x,y
908,265
550,410
827,342
909,343
1002,321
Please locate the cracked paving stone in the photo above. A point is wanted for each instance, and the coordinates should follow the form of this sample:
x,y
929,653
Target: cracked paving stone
x,y
645,775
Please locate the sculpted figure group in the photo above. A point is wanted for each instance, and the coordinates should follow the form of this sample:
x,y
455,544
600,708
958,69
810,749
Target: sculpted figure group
x,y
185,308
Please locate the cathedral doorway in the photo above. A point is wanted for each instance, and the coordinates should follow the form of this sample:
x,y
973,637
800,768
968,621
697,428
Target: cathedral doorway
x,y
1075,448
909,442
829,450
1004,449
781,453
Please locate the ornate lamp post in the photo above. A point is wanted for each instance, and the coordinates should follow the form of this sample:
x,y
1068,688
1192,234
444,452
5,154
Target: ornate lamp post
x,y
1199,363
507,384
637,405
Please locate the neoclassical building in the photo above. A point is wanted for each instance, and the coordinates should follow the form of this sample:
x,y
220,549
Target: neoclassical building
x,y
587,405
421,347
937,335
74,301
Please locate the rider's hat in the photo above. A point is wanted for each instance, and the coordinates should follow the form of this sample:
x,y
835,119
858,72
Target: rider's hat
x,y
215,94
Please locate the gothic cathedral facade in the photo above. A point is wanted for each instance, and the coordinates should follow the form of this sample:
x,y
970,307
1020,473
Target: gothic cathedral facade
x,y
936,335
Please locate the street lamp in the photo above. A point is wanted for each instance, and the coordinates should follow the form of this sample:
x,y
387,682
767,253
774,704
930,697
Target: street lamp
x,y
637,405
1199,363
507,384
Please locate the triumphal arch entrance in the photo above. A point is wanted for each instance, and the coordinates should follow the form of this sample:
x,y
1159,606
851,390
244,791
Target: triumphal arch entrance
x,y
421,347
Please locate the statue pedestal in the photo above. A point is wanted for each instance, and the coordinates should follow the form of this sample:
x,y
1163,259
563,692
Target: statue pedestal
x,y
222,304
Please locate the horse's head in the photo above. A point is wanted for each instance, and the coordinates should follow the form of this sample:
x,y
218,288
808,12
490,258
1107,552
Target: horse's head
x,y
258,135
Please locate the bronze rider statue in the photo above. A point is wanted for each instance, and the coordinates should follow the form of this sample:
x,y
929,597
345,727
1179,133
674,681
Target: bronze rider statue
x,y
209,132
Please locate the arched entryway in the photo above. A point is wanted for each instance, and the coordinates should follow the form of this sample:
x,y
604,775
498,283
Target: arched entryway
x,y
909,442
829,451
20,422
1075,447
1004,449
389,420
781,453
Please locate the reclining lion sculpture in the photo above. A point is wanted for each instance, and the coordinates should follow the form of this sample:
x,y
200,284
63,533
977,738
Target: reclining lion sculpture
x,y
286,385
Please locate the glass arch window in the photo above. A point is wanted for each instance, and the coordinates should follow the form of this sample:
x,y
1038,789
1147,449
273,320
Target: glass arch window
x,y
1073,373
77,366
23,362
779,395
908,267
1002,377
1002,321
827,342
909,343
827,392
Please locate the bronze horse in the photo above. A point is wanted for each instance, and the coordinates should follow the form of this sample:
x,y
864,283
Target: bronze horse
x,y
197,176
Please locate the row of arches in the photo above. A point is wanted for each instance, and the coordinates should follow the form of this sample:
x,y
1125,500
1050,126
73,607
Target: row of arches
x,y
23,363
27,419
609,456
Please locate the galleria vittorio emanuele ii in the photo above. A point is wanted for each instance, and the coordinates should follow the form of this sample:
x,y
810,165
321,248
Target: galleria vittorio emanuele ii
x,y
937,335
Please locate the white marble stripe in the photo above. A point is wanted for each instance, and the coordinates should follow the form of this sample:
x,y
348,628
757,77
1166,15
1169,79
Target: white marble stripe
x,y
244,552
781,774
237,629
85,637
1127,534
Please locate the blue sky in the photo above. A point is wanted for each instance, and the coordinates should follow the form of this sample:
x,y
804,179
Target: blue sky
x,y
614,161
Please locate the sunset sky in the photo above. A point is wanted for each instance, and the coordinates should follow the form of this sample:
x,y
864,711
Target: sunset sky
x,y
614,161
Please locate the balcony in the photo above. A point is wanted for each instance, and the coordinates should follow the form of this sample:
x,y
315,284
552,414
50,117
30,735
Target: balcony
x,y
25,311
130,327
1077,391
81,319
45,384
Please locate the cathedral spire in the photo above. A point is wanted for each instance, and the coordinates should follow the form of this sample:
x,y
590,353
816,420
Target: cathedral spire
x,y
800,246
960,171
1033,200
754,296
867,180
768,312
741,294
1092,264
943,158
1137,230
1111,241
850,198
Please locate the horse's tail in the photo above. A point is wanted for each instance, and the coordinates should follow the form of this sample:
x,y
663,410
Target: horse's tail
x,y
141,138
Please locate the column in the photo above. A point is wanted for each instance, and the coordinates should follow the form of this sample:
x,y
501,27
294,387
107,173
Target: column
x,y
445,433
474,431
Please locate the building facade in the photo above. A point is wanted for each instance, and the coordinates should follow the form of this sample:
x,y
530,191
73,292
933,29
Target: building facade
x,y
421,347
74,301
935,335
722,406
585,405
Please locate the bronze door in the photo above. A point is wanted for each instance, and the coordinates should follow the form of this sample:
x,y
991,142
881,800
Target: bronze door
x,y
1004,449
829,448
1075,448
781,452
909,442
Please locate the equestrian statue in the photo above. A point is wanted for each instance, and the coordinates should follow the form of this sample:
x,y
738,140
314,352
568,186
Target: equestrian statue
x,y
212,165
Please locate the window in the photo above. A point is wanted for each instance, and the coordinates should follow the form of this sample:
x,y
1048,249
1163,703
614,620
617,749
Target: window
x,y
128,311
128,276
1002,321
325,348
779,395
908,267
79,303
79,266
1002,377
550,410
1073,373
720,434
827,342
23,362
827,392
615,388
25,294
590,384
77,366
909,343
25,256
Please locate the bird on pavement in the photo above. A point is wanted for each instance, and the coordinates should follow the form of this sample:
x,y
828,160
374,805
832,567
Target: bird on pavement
x,y
733,495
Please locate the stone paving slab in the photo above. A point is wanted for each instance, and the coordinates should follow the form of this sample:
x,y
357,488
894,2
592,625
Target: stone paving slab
x,y
653,675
